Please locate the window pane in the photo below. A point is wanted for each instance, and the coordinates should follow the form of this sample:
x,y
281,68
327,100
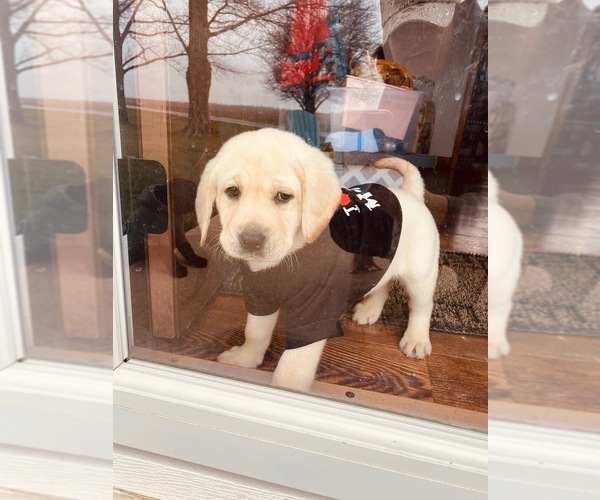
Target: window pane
x,y
193,76
544,152
57,87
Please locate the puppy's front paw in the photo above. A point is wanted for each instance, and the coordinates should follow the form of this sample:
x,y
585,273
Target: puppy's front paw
x,y
415,346
497,349
241,355
366,313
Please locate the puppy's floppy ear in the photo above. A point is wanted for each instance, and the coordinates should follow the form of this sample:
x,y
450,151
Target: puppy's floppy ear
x,y
205,198
320,192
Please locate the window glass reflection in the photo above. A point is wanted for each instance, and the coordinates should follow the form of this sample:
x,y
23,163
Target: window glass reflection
x,y
57,62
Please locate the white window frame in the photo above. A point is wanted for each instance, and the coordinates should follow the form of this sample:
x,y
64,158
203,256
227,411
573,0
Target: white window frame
x,y
293,440
533,461
56,429
55,418
11,344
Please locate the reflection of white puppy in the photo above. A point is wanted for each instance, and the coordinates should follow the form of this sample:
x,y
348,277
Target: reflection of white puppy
x,y
505,247
276,196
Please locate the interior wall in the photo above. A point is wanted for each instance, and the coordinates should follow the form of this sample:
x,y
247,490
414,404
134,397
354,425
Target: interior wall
x,y
530,67
444,54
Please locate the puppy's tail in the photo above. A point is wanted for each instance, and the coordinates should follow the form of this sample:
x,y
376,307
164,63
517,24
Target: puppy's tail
x,y
412,181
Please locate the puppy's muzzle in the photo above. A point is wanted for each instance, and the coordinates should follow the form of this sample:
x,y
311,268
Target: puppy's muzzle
x,y
252,239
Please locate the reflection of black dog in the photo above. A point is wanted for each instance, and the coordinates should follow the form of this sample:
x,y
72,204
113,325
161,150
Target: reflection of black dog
x,y
152,217
63,209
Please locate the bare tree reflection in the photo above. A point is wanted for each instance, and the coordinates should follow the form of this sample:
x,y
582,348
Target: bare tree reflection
x,y
195,37
39,33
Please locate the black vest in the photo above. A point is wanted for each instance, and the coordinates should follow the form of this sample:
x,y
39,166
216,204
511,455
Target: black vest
x,y
368,221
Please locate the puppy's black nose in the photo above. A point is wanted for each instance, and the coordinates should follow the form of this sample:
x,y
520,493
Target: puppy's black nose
x,y
252,239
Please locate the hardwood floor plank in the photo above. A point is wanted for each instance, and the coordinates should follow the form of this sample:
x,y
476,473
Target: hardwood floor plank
x,y
365,366
544,416
379,333
374,367
498,386
552,382
458,382
554,371
554,346
457,345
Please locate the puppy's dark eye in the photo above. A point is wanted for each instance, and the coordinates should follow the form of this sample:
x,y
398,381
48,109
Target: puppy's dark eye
x,y
282,197
233,192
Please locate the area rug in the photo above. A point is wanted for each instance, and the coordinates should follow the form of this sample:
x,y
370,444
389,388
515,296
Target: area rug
x,y
558,293
460,300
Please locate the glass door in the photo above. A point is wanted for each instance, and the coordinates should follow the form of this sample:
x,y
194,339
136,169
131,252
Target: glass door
x,y
191,77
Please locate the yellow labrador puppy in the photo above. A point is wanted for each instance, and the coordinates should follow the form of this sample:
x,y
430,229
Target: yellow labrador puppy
x,y
505,244
284,216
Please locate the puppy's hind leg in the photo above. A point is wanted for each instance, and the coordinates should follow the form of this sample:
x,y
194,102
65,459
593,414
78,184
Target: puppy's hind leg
x,y
368,310
497,323
258,333
415,342
297,367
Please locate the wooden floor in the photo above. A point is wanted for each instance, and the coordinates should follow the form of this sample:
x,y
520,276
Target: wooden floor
x,y
365,366
547,379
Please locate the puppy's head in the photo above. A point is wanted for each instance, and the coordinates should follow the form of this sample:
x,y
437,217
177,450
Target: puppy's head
x,y
273,192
